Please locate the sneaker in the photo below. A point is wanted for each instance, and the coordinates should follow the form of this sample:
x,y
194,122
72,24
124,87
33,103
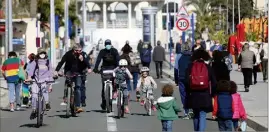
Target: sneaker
x,y
186,117
33,115
153,108
63,103
48,106
142,102
11,110
83,104
78,110
115,95
126,111
18,108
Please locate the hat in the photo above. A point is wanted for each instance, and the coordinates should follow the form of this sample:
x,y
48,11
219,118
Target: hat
x,y
108,42
41,50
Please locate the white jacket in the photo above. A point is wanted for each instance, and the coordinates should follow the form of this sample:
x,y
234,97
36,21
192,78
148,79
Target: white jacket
x,y
265,48
257,55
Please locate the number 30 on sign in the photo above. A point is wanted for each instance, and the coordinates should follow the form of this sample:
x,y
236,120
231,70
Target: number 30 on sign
x,y
183,24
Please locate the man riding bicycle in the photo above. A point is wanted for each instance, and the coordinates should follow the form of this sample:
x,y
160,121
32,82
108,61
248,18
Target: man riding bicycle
x,y
76,62
110,58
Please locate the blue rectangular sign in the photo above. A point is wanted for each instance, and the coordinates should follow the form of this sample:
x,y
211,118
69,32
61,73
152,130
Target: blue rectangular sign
x,y
18,41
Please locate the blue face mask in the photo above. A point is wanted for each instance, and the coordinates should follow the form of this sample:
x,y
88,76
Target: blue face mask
x,y
108,47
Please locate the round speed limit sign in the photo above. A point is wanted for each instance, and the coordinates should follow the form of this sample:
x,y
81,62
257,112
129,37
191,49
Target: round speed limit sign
x,y
183,24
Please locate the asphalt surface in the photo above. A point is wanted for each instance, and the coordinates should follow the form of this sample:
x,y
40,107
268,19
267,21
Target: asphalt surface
x,y
93,119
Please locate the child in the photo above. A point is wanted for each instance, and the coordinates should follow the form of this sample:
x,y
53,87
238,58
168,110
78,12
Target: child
x,y
167,108
223,108
122,74
40,70
144,82
239,109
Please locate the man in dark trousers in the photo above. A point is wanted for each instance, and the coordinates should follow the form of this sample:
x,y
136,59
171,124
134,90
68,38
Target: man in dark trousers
x,y
246,61
158,58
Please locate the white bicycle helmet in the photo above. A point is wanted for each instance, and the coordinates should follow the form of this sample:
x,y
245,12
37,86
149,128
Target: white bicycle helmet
x,y
144,69
123,62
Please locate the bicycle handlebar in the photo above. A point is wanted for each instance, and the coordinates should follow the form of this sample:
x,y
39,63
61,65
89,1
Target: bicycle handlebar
x,y
32,81
71,75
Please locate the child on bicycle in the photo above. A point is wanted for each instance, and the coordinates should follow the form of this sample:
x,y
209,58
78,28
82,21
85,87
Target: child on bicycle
x,y
121,75
40,70
144,82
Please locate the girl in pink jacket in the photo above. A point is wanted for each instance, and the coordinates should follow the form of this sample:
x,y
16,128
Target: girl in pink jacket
x,y
238,106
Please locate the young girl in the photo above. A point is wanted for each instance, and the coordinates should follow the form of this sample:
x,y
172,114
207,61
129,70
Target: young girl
x,y
121,75
223,108
167,108
238,106
144,82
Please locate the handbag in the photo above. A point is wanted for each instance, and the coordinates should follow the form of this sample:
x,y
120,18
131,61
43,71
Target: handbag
x,y
21,73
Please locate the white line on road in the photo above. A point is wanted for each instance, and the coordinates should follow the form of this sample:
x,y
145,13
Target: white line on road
x,y
111,122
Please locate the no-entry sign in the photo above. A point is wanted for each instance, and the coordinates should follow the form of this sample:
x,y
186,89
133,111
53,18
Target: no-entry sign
x,y
183,24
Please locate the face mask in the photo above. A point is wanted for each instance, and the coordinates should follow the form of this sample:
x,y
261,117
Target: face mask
x,y
108,47
42,56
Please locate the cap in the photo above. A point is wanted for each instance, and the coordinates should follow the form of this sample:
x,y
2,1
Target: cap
x,y
40,50
108,42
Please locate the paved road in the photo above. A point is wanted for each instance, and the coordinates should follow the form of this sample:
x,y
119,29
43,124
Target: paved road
x,y
93,119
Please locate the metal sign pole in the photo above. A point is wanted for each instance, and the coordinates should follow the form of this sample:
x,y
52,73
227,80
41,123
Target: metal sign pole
x,y
52,34
10,27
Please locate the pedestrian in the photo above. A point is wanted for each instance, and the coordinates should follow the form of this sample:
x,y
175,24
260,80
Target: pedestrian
x,y
219,66
167,108
197,46
139,46
199,91
264,58
158,58
223,106
239,112
216,46
246,61
178,55
256,67
228,58
145,54
182,66
13,73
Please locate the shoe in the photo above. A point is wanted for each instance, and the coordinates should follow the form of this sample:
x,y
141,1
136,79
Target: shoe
x,y
83,104
255,82
247,89
48,106
137,100
142,102
186,117
115,95
11,110
78,110
18,108
153,108
33,115
126,111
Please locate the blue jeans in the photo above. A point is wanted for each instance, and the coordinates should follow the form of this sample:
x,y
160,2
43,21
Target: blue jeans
x,y
135,80
225,124
235,123
78,84
167,125
182,92
83,89
199,120
14,93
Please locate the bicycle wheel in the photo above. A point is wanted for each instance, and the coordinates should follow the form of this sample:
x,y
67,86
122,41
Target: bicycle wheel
x,y
72,102
122,104
38,111
149,107
107,95
68,102
119,105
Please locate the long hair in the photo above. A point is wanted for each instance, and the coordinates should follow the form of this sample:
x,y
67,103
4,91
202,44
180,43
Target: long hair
x,y
200,54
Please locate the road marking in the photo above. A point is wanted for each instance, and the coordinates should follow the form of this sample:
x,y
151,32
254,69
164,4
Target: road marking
x,y
111,122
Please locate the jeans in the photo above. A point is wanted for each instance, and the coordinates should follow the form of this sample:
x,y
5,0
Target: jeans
x,y
83,89
247,73
77,89
14,93
176,75
265,69
35,89
255,70
182,92
235,123
167,125
225,125
135,80
159,68
199,120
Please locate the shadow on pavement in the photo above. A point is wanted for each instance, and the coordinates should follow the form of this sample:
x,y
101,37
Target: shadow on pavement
x,y
62,116
31,125
141,114
7,109
117,117
99,111
210,119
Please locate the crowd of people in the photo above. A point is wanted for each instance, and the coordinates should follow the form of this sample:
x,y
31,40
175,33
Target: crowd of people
x,y
201,73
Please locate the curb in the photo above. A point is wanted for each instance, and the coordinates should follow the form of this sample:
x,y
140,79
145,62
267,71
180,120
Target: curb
x,y
250,122
5,95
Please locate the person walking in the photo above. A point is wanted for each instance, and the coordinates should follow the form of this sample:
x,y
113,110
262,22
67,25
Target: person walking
x,y
197,46
256,67
199,91
246,61
139,46
264,58
158,58
219,67
145,54
182,66
178,55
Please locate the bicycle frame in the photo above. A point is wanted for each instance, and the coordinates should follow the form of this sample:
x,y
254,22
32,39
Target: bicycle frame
x,y
120,102
148,101
108,83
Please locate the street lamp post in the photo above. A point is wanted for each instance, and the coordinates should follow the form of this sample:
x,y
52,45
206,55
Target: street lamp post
x,y
52,34
10,26
233,16
38,15
6,31
66,25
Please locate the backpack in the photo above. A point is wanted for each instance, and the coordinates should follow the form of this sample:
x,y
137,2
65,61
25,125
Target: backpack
x,y
199,79
228,63
37,66
134,59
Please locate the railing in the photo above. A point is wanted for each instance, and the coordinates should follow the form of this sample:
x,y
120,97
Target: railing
x,y
120,24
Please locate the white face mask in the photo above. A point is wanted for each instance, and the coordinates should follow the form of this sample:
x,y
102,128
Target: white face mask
x,y
42,56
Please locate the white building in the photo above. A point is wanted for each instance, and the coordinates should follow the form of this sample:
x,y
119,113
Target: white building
x,y
121,20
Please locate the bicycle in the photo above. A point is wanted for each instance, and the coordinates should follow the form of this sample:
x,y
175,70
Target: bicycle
x,y
148,100
108,87
70,92
120,101
41,108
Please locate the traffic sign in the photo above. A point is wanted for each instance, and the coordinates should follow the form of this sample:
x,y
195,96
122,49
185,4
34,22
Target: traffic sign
x,y
182,12
183,24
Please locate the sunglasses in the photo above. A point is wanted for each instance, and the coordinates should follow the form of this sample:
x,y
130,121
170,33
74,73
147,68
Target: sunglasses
x,y
122,66
78,50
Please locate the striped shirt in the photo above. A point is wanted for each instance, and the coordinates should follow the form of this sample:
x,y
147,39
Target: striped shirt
x,y
11,69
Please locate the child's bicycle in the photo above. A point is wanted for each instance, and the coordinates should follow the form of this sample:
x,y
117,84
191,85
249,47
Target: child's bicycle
x,y
149,99
120,101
